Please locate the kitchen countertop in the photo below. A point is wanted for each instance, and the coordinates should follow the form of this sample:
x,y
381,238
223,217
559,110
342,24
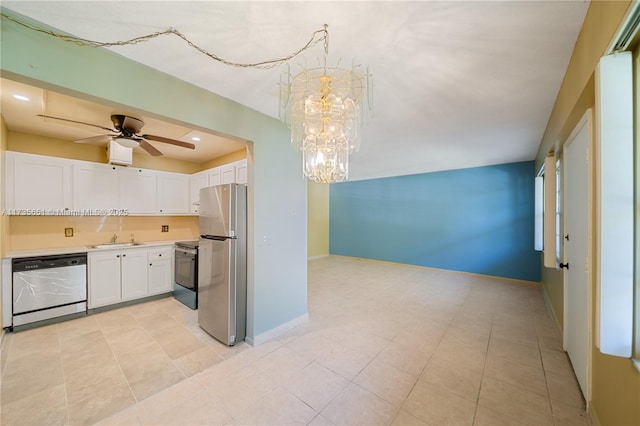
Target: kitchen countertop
x,y
82,249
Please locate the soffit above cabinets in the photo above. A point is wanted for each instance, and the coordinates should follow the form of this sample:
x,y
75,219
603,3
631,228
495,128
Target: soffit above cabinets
x,y
22,116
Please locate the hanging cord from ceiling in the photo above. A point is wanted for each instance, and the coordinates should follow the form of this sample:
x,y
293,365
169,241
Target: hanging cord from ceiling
x,y
316,37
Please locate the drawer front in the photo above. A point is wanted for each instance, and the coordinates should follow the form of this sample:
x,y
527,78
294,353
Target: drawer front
x,y
159,254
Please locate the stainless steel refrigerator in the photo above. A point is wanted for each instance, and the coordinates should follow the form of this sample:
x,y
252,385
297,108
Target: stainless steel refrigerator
x,y
222,262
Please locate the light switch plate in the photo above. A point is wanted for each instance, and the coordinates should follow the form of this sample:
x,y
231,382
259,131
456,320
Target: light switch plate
x,y
68,232
165,228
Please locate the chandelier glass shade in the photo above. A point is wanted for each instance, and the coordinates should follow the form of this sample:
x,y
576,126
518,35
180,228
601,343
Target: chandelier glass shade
x,y
324,108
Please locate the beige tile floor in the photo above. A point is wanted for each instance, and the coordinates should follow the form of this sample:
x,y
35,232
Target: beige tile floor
x,y
384,344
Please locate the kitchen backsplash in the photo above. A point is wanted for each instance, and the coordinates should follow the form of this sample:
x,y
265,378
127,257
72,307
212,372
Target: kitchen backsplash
x,y
41,232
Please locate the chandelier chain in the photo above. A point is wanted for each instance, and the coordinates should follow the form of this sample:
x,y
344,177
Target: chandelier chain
x,y
316,37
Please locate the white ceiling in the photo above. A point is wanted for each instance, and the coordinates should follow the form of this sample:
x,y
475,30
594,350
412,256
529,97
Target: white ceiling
x,y
456,84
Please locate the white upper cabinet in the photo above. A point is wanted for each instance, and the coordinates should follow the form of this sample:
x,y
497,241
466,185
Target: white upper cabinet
x,y
197,181
138,191
95,186
228,172
52,186
173,193
215,176
241,172
37,182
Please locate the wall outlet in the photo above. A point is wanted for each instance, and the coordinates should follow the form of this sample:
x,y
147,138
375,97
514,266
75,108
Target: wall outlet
x,y
68,232
165,228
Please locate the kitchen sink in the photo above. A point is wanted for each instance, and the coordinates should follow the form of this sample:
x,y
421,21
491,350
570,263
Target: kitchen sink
x,y
114,245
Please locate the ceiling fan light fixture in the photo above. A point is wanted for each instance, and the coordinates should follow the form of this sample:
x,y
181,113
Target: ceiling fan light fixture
x,y
126,142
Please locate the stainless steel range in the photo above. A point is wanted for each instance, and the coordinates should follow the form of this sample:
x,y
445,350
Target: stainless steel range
x,y
185,288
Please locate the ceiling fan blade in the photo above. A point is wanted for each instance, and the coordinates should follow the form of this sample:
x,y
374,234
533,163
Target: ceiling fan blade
x,y
77,122
170,141
149,148
94,138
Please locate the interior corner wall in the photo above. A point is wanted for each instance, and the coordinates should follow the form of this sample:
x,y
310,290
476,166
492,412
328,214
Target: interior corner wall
x,y
477,220
277,251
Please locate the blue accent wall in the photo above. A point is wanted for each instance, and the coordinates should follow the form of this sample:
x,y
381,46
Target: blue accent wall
x,y
476,220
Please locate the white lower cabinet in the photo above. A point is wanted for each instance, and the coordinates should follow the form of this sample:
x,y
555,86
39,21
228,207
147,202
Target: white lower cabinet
x,y
133,275
104,278
160,270
120,275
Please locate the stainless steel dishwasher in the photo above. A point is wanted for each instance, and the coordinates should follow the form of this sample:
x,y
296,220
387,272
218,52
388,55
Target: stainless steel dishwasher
x,y
48,287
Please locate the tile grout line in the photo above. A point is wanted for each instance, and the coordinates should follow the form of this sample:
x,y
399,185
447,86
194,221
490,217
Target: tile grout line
x,y
484,366
64,378
115,358
544,372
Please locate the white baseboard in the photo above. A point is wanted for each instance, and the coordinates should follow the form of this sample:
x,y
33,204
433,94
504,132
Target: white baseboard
x,y
275,332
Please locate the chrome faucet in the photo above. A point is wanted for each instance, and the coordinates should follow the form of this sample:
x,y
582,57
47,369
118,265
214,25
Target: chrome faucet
x,y
114,238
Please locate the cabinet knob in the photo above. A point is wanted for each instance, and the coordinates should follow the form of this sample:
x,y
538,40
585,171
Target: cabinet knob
x,y
160,255
151,264
124,255
117,255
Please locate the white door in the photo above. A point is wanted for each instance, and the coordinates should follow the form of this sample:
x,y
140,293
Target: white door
x,y
577,288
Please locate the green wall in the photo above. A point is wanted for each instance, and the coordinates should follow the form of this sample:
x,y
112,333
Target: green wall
x,y
277,274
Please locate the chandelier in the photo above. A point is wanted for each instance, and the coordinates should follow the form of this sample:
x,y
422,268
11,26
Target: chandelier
x,y
324,108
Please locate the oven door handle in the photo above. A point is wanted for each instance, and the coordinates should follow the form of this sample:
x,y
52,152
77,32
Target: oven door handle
x,y
186,251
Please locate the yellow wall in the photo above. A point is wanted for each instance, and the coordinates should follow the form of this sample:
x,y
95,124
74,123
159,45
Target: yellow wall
x,y
317,220
615,398
36,232
34,144
229,158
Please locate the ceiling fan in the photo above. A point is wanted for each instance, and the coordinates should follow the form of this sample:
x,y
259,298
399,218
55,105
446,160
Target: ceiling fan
x,y
126,133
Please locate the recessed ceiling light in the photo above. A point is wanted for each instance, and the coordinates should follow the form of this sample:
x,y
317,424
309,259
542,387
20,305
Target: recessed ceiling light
x,y
195,138
21,98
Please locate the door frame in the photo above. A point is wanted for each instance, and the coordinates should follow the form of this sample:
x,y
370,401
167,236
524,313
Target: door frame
x,y
586,120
